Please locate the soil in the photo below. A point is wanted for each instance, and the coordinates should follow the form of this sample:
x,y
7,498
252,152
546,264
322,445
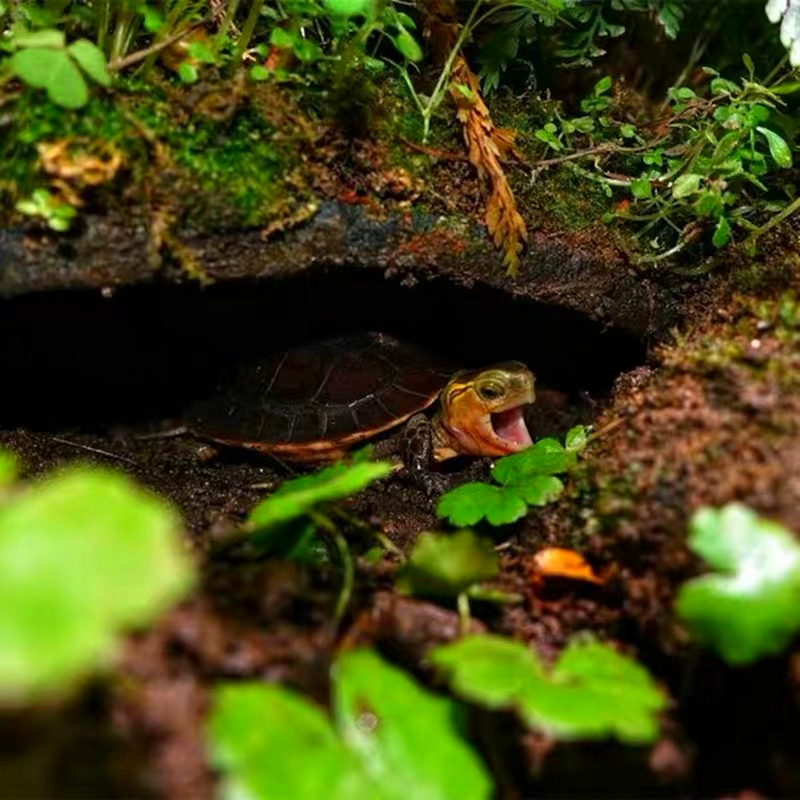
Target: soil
x,y
690,383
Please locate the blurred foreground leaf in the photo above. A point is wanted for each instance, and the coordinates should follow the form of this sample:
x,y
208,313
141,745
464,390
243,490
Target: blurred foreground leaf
x,y
592,692
298,496
272,744
444,565
751,606
84,556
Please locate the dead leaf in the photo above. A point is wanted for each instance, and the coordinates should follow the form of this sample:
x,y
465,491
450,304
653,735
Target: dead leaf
x,y
559,562
79,162
487,146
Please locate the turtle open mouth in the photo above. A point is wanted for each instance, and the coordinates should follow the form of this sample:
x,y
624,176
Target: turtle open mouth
x,y
509,425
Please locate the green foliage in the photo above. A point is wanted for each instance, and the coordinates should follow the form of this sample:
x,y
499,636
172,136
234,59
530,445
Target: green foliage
x,y
271,743
750,607
84,556
526,479
592,692
598,21
43,60
445,565
296,497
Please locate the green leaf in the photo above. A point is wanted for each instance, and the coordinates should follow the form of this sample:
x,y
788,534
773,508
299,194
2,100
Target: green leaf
x,y
722,233
592,692
83,556
686,184
472,502
778,148
272,744
66,87
187,72
641,188
444,565
409,740
298,496
258,73
538,490
348,8
750,607
407,45
8,468
36,66
602,86
576,439
546,457
91,60
50,38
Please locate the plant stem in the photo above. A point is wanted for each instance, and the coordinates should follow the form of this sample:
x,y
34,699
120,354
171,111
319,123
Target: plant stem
x,y
776,220
247,31
141,55
444,78
464,617
339,546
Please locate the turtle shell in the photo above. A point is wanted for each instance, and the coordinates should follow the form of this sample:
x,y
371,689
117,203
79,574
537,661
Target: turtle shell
x,y
312,402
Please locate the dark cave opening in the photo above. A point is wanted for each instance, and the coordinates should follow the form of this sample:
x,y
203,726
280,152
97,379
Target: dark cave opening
x,y
81,360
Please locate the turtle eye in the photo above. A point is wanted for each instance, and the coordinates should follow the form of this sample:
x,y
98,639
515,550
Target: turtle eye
x,y
490,391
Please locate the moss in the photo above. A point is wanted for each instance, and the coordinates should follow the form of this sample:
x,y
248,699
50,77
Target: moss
x,y
209,165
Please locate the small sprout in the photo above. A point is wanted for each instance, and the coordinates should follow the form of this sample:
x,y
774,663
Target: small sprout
x,y
56,213
271,743
592,692
750,607
100,556
444,565
45,61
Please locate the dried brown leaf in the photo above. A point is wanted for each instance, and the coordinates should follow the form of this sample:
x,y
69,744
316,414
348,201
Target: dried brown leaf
x,y
487,146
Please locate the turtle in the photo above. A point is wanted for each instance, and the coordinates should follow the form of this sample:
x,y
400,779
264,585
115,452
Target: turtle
x,y
316,401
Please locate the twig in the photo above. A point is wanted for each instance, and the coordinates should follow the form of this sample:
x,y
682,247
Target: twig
x,y
93,449
433,151
140,55
776,220
607,147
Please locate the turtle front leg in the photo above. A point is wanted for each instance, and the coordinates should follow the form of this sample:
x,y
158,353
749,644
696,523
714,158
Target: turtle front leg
x,y
418,448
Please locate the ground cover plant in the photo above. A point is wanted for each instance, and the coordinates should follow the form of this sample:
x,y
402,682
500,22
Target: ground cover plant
x,y
611,611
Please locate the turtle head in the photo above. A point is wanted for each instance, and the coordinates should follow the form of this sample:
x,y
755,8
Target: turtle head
x,y
481,410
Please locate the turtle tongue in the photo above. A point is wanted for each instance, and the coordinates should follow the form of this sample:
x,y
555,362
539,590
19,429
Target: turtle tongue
x,y
510,426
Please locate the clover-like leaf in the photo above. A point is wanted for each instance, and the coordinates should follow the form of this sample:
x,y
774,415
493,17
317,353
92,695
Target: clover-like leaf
x,y
91,60
538,490
447,564
751,606
83,557
385,716
472,502
592,692
298,496
546,457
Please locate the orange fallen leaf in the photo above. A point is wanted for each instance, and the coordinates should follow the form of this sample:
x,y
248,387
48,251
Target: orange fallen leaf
x,y
559,562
